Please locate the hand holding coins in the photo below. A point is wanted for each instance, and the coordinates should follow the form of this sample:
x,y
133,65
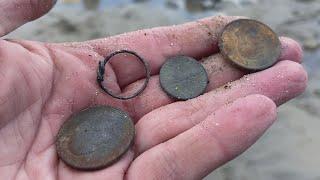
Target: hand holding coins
x,y
97,137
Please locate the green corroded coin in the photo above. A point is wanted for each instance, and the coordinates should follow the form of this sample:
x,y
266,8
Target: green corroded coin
x,y
183,78
95,138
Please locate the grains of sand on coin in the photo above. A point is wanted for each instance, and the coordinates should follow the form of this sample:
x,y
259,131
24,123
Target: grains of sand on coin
x,y
183,78
250,44
95,138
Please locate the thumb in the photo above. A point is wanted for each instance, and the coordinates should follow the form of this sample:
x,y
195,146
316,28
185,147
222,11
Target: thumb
x,y
14,13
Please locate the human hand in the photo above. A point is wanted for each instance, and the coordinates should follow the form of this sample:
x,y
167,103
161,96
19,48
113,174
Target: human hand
x,y
42,84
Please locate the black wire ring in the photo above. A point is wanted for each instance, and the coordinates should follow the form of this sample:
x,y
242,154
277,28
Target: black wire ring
x,y
101,71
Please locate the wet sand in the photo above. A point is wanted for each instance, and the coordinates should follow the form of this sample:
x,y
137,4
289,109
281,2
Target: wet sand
x,y
288,151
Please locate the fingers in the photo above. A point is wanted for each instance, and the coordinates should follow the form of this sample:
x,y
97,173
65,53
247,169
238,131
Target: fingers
x,y
14,13
196,39
222,136
280,83
291,50
219,70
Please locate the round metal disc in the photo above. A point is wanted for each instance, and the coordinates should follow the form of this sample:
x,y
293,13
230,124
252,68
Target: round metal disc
x,y
183,78
95,138
250,44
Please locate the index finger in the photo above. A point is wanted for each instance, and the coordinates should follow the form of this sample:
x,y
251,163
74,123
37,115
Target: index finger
x,y
196,39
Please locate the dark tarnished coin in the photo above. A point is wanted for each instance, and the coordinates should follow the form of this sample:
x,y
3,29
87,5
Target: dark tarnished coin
x,y
183,78
95,138
250,44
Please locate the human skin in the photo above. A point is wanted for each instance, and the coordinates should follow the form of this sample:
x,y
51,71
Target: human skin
x,y
43,84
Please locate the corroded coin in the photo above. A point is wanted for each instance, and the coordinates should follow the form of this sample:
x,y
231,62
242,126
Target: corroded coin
x,y
250,44
95,138
183,78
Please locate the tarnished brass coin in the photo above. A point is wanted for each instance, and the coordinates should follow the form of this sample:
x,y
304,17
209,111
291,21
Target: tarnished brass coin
x,y
95,138
250,44
183,78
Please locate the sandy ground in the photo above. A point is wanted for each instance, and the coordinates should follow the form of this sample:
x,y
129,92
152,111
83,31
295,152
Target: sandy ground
x,y
289,150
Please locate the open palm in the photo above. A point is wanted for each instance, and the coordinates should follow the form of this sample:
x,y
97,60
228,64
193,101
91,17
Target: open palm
x,y
43,84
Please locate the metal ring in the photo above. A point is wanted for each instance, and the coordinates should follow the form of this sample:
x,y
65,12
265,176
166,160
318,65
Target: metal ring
x,y
101,72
